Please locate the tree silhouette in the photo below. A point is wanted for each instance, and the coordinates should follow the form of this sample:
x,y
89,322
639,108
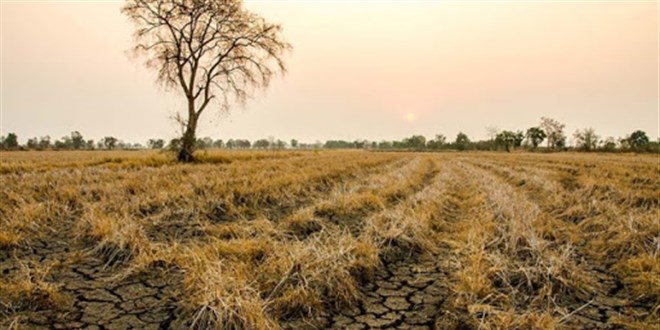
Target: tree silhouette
x,y
208,50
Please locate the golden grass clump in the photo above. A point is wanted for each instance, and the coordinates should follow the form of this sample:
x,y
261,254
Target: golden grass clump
x,y
28,290
253,283
116,239
223,298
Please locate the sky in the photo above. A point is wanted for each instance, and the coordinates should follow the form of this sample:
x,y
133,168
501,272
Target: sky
x,y
358,70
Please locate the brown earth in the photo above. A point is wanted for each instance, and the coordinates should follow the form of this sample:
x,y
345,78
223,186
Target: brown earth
x,y
92,295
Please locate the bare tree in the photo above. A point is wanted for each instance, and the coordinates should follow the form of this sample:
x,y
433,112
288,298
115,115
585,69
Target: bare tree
x,y
208,50
554,131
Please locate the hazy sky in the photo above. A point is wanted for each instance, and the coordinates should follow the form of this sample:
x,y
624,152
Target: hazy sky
x,y
374,70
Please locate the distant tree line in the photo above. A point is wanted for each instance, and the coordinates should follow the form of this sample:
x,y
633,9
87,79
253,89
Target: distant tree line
x,y
547,136
74,141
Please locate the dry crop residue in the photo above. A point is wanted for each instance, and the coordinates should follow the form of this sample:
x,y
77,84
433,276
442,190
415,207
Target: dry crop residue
x,y
341,240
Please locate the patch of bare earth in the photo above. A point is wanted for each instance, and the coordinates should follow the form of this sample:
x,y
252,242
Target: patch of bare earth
x,y
87,292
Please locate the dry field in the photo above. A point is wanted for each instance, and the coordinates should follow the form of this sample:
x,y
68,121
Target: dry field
x,y
345,240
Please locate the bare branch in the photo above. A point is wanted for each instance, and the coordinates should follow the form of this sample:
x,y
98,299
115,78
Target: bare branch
x,y
210,50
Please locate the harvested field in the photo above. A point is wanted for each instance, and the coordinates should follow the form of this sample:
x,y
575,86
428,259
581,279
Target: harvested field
x,y
342,240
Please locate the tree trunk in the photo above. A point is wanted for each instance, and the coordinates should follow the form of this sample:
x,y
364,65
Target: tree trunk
x,y
187,147
188,139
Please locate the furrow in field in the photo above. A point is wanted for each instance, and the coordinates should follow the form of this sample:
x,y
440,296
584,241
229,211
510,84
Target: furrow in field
x,y
359,197
299,220
520,269
275,197
285,188
407,290
349,210
466,227
609,224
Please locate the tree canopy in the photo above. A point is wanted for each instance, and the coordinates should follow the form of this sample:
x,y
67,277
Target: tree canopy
x,y
207,50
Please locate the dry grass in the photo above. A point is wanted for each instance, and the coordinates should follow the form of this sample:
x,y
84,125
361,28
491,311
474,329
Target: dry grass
x,y
29,291
555,238
530,241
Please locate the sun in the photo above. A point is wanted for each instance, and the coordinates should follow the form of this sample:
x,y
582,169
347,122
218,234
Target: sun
x,y
410,117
